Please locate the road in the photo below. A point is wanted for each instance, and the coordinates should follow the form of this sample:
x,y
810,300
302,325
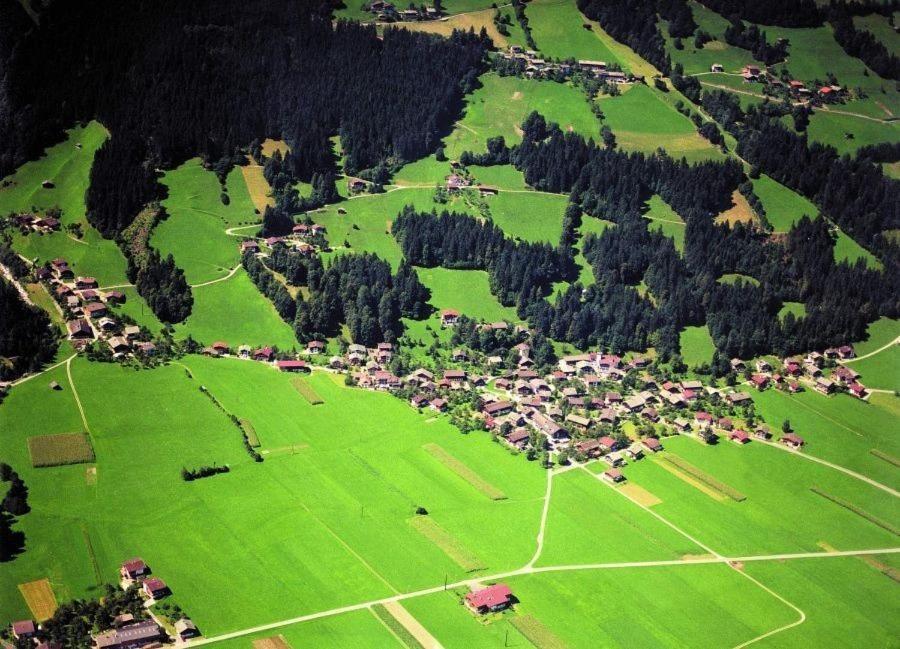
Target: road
x,y
895,341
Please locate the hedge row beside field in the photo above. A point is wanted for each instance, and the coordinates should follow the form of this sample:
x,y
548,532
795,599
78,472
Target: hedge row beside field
x,y
307,392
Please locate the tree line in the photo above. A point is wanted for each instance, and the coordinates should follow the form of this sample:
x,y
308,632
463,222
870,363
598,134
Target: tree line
x,y
27,338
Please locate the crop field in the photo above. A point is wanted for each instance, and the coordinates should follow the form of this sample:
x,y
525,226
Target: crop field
x,y
68,167
40,598
696,345
194,232
559,30
235,311
501,104
467,291
60,449
257,187
306,391
642,121
445,541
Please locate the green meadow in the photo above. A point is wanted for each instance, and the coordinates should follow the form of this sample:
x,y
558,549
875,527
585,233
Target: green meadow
x,y
880,333
696,345
501,104
881,371
717,51
558,29
467,291
68,167
235,311
364,450
797,309
642,120
501,176
734,278
194,232
847,133
780,514
839,428
666,221
839,597
529,216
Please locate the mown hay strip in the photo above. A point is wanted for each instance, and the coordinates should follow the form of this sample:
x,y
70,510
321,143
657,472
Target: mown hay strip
x,y
396,627
273,642
536,633
640,495
39,597
859,511
448,544
258,187
250,432
704,477
881,455
58,450
306,391
464,472
696,484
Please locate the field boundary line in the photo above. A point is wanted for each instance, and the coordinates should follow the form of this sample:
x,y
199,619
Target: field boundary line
x,y
49,369
785,627
87,428
386,626
220,279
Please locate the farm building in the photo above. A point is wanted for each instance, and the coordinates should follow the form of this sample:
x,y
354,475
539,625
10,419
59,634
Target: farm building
x,y
493,598
155,588
134,569
132,636
23,629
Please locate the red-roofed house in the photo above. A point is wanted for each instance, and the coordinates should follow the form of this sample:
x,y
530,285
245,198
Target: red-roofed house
x,y
492,598
23,629
739,437
265,354
134,569
761,381
449,317
613,475
792,440
155,588
292,366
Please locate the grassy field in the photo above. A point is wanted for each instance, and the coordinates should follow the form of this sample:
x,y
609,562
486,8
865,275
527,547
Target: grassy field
x,y
734,278
696,345
882,370
840,428
501,176
476,20
235,311
798,309
589,522
529,216
847,249
558,29
717,51
880,333
839,597
502,103
68,167
361,448
847,133
665,220
467,291
194,233
780,512
136,309
643,121
783,206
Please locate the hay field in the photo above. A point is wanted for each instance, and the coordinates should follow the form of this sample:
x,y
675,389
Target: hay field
x,y
58,450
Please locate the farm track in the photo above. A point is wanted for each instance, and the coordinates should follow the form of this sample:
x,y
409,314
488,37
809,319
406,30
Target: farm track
x,y
895,341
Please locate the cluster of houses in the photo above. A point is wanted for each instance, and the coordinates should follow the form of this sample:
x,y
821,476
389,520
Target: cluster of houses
x,y
88,311
810,371
455,183
794,88
536,67
34,223
127,632
387,12
305,239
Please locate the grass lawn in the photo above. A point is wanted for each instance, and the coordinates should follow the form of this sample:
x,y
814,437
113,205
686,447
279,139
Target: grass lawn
x,y
366,225
882,370
880,333
734,278
320,524
798,309
665,220
847,133
194,232
643,121
841,598
558,29
696,345
589,523
780,513
467,291
529,216
501,104
841,428
235,311
68,167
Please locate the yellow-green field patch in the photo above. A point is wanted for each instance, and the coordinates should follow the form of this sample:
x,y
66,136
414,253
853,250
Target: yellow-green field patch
x,y
57,450
250,432
537,634
427,527
306,391
464,472
881,455
270,146
274,642
640,495
739,212
684,477
704,477
257,186
39,597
